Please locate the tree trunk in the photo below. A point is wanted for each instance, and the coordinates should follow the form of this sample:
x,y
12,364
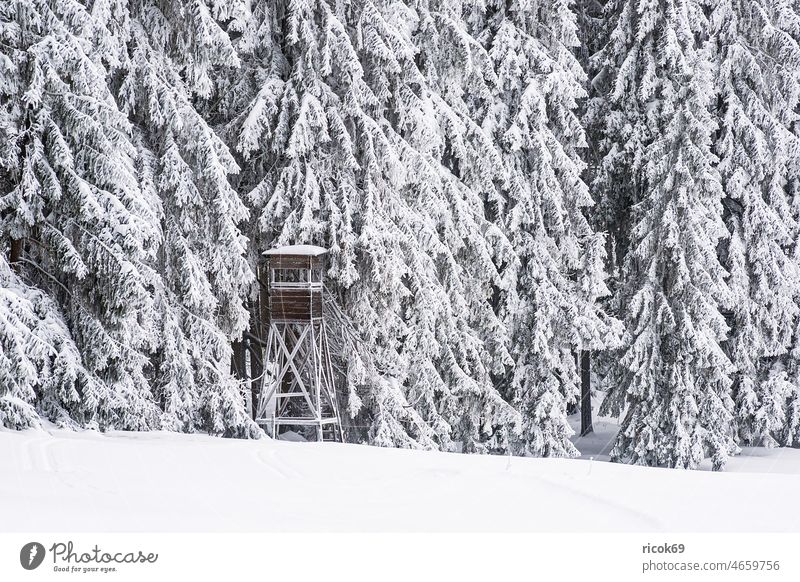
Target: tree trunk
x,y
15,254
239,363
262,320
586,393
256,354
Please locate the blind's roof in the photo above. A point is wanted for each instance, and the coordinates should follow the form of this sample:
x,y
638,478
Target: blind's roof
x,y
302,250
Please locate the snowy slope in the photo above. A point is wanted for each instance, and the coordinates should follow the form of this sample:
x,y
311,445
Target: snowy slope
x,y
64,481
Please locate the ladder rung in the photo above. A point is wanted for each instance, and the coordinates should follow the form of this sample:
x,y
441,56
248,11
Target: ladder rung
x,y
304,421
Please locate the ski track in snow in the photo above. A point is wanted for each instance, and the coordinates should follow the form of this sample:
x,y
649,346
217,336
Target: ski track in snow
x,y
638,518
37,455
273,462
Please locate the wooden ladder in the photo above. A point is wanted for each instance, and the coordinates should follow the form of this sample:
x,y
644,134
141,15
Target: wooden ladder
x,y
332,433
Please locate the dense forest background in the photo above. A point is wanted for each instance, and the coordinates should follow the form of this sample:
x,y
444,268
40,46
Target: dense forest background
x,y
507,188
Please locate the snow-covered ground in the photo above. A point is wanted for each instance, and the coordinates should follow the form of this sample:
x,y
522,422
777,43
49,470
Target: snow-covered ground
x,y
56,480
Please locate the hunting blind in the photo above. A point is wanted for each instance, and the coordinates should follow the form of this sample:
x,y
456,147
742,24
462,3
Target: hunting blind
x,y
298,391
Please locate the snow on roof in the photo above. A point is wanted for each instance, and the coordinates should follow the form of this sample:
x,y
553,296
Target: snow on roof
x,y
306,250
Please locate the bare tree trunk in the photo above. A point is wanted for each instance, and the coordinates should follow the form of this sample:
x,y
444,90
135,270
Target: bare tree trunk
x,y
256,354
586,393
239,363
15,254
260,315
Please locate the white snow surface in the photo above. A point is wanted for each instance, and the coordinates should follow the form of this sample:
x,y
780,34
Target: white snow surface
x,y
56,480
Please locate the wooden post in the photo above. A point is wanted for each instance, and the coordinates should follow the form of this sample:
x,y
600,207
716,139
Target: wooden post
x,y
586,393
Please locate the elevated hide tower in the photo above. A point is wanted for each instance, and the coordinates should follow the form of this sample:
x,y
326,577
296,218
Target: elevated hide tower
x,y
298,392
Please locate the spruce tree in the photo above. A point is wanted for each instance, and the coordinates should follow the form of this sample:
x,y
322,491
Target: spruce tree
x,y
41,372
789,434
177,51
558,271
758,87
72,197
673,376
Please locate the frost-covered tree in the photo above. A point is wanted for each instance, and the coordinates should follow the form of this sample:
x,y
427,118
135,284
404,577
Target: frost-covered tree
x,y
558,272
71,195
789,434
673,384
126,215
175,53
357,139
460,78
758,86
40,366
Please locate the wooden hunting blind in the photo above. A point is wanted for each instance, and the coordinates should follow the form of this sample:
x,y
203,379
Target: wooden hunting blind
x,y
298,392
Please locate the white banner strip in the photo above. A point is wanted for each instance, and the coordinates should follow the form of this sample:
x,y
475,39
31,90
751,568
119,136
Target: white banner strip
x,y
386,557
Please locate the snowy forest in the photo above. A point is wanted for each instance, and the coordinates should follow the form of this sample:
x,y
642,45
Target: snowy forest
x,y
511,191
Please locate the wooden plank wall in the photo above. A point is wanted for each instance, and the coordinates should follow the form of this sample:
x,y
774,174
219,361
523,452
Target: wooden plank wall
x,y
295,304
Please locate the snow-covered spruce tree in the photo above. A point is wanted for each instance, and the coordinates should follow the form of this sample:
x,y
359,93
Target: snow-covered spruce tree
x,y
758,88
175,52
459,75
605,214
558,271
22,354
789,434
40,366
674,384
348,145
611,182
72,197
